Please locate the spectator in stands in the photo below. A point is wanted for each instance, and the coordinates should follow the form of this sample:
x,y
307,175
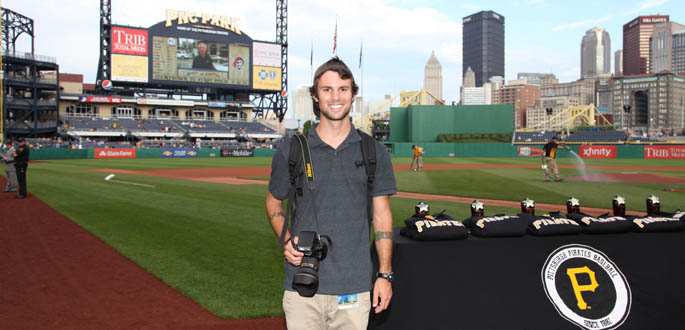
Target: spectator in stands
x,y
202,60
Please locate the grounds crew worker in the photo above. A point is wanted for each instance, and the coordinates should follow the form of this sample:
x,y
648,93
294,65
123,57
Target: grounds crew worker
x,y
550,152
340,200
417,158
21,162
10,171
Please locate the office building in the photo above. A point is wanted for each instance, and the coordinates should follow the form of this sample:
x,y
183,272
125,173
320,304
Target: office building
x,y
661,46
678,54
432,78
483,45
304,108
657,102
521,96
473,95
595,53
636,34
618,63
535,78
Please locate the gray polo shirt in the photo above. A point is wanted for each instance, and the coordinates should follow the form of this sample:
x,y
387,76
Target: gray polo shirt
x,y
341,197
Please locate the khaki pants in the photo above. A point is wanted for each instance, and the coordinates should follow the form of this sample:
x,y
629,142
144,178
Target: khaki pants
x,y
321,312
551,167
11,173
418,160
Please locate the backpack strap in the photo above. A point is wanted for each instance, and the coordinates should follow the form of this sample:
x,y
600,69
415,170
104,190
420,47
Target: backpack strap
x,y
369,155
299,154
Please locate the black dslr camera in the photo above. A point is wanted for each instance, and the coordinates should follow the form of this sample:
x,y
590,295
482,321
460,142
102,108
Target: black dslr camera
x,y
306,280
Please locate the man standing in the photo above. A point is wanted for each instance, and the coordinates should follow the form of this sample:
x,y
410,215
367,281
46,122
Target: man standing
x,y
10,171
550,152
336,207
417,158
21,162
202,60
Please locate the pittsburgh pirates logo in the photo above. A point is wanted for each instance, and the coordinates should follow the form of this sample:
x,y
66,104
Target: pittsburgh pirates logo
x,y
586,287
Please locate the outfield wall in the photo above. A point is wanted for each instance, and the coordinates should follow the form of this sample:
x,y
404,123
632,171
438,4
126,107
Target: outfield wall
x,y
423,123
52,153
441,149
403,149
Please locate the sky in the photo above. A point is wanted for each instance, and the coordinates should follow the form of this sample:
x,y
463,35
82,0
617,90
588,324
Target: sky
x,y
398,36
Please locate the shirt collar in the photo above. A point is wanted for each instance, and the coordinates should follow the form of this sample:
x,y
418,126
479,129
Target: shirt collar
x,y
315,140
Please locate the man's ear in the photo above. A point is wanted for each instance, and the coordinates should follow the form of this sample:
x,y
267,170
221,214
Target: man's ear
x,y
316,99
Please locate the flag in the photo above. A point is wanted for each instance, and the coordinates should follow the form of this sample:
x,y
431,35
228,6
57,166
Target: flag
x,y
335,37
360,54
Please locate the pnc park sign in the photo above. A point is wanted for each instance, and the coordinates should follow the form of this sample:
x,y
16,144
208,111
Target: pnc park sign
x,y
586,287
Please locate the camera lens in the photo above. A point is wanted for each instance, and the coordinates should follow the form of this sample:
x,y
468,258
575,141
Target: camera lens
x,y
306,279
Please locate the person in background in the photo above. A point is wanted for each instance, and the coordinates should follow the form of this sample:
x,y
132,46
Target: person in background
x,y
21,162
548,158
202,60
417,158
10,171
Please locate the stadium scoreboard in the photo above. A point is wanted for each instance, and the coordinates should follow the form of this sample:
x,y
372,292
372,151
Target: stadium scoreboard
x,y
197,51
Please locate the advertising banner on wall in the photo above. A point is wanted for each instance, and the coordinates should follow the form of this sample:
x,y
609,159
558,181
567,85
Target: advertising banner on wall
x,y
239,65
665,152
114,153
129,68
129,41
597,151
99,99
264,77
266,54
179,153
527,151
238,152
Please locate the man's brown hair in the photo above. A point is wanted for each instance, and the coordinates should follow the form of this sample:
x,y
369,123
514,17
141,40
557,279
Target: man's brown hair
x,y
335,64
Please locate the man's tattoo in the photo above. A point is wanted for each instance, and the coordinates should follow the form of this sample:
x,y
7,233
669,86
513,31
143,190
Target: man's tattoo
x,y
275,214
383,235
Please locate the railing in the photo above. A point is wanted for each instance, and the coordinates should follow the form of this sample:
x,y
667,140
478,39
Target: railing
x,y
29,56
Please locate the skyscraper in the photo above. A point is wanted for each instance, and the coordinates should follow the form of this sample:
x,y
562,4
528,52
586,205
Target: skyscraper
x,y
432,77
304,108
595,53
618,63
636,35
483,45
661,46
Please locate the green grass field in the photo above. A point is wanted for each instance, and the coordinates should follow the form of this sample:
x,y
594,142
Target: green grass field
x,y
213,243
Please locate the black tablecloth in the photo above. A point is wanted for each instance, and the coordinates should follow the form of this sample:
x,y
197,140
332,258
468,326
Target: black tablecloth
x,y
497,283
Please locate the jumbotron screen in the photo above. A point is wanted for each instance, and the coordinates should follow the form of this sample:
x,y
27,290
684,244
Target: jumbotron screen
x,y
200,61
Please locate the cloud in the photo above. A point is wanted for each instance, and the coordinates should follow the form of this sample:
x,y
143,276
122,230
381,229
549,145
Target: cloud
x,y
475,8
538,3
580,24
645,5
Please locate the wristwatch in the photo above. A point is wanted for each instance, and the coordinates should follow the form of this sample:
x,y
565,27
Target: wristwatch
x,y
388,276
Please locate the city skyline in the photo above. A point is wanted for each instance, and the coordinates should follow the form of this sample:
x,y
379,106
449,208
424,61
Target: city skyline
x,y
541,36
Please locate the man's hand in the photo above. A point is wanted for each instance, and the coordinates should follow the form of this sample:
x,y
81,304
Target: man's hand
x,y
292,256
382,293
